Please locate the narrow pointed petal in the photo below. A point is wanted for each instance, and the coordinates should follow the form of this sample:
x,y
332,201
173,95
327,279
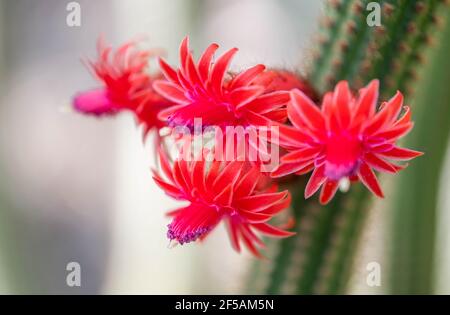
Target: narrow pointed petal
x,y
184,52
306,169
204,63
327,104
401,154
250,246
276,208
169,73
299,155
328,191
229,175
248,183
342,99
379,121
261,201
406,118
178,176
272,231
379,164
166,113
315,181
289,136
252,236
244,95
303,111
368,100
168,188
368,178
395,132
225,197
395,105
198,175
289,168
213,172
246,77
277,115
170,91
219,69
267,102
192,71
184,82
255,217
185,172
233,233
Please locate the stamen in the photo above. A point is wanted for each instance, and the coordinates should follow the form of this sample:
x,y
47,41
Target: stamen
x,y
183,237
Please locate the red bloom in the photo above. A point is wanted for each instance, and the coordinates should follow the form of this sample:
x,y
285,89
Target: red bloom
x,y
347,137
204,90
126,85
234,192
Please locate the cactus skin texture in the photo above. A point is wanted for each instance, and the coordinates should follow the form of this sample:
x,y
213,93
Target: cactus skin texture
x,y
414,206
319,259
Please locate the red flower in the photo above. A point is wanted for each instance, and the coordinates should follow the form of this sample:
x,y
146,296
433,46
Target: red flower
x,y
234,192
347,137
126,85
204,90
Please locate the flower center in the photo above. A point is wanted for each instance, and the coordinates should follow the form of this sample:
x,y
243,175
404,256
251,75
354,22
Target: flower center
x,y
212,109
343,151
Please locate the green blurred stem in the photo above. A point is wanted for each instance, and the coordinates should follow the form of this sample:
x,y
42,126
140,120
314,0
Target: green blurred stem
x,y
415,204
320,257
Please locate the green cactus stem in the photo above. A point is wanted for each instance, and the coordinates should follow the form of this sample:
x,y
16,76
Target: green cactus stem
x,y
415,206
319,258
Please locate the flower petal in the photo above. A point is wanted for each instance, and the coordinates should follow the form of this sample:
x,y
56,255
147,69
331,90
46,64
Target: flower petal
x,y
368,178
168,72
228,176
219,69
315,181
303,111
247,184
401,154
244,95
261,201
225,197
289,168
328,191
170,91
246,77
233,233
342,97
168,188
379,164
269,101
299,155
272,231
367,101
204,63
395,105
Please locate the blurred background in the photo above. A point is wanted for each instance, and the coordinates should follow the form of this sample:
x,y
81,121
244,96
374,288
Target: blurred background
x,y
79,189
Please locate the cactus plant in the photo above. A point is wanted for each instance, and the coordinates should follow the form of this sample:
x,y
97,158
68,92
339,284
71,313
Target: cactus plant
x,y
415,206
319,258
340,143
